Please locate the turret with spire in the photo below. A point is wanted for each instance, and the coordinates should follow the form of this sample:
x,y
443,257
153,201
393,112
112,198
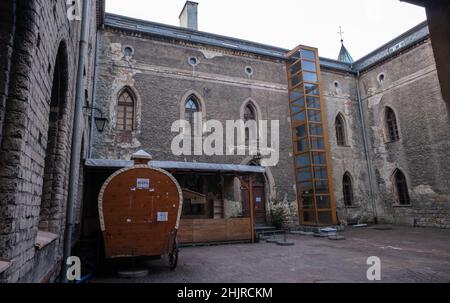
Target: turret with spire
x,y
344,55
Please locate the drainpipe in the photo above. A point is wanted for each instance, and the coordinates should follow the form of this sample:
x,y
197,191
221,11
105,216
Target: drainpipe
x,y
366,149
76,139
94,97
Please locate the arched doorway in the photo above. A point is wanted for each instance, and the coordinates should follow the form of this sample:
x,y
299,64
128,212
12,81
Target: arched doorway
x,y
55,147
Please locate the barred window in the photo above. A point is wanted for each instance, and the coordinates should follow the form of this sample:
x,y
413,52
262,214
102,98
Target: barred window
x,y
126,110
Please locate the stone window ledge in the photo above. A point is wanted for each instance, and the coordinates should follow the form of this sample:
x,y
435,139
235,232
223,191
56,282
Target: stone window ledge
x,y
402,206
344,146
4,265
44,239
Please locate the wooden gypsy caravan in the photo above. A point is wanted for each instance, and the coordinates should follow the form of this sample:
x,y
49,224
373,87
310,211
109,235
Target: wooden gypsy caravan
x,y
140,209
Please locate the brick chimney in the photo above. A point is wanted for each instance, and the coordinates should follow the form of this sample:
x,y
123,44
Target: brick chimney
x,y
189,16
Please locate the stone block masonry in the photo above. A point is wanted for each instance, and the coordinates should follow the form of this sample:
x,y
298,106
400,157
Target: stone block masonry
x,y
37,81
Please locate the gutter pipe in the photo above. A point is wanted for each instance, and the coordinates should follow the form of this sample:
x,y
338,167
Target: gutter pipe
x,y
367,153
94,97
77,136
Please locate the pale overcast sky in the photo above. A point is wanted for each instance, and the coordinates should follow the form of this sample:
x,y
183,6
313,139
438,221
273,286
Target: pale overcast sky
x,y
367,24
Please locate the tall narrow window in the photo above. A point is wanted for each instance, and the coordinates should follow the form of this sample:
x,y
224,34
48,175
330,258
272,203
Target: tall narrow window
x,y
191,110
125,110
391,125
401,187
340,130
249,115
347,189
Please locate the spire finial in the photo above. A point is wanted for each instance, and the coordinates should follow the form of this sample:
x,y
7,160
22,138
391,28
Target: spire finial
x,y
340,33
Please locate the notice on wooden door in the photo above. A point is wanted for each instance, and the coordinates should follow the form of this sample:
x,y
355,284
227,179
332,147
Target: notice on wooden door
x,y
143,184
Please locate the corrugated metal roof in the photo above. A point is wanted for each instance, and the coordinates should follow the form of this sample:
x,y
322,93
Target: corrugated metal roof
x,y
181,166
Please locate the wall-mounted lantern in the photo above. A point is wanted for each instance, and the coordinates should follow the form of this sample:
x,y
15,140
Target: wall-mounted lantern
x,y
100,121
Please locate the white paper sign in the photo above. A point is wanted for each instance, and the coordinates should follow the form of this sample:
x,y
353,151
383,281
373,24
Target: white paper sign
x,y
163,217
143,183
258,200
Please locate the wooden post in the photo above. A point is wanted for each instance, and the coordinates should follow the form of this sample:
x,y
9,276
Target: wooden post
x,y
252,215
249,187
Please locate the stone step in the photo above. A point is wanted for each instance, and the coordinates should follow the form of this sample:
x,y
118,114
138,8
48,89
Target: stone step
x,y
315,229
279,239
264,228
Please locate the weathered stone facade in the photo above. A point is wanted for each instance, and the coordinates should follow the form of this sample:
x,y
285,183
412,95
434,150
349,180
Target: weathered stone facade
x,y
341,98
408,84
411,88
37,89
39,53
161,78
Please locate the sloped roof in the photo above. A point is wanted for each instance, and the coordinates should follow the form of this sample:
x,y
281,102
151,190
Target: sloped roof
x,y
181,166
344,55
344,63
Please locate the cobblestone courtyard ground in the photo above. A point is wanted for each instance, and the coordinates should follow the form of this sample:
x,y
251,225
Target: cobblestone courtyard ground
x,y
407,255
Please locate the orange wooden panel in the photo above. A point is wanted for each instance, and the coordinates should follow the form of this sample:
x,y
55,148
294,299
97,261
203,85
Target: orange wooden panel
x,y
214,230
239,229
186,231
210,230
133,216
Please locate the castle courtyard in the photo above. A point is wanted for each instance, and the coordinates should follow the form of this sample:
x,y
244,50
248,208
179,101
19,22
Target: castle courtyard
x,y
408,255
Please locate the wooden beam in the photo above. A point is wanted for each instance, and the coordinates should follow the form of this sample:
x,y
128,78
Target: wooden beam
x,y
252,216
243,183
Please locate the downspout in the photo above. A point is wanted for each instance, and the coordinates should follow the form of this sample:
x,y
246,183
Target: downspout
x,y
366,150
77,135
94,97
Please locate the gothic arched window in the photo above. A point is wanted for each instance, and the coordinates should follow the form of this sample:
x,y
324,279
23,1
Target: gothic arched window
x,y
347,188
391,125
191,112
249,115
401,186
340,130
126,110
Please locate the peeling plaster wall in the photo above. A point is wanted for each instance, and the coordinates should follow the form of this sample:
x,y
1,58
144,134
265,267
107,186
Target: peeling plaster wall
x,y
411,89
350,158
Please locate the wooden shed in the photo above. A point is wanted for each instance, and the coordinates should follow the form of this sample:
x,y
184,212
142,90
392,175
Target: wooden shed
x,y
208,214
